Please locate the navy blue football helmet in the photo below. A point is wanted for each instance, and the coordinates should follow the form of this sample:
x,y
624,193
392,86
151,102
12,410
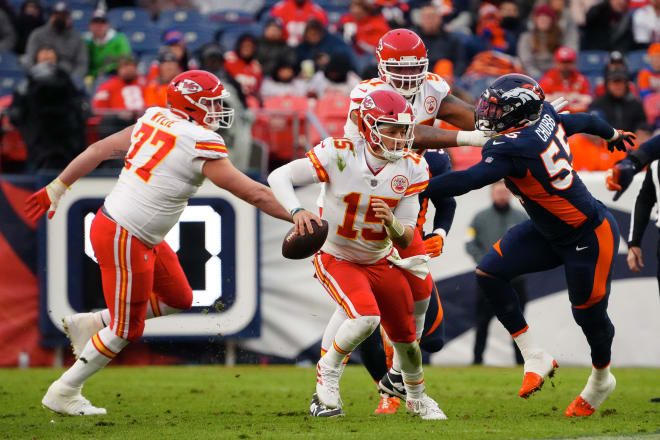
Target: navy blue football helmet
x,y
511,101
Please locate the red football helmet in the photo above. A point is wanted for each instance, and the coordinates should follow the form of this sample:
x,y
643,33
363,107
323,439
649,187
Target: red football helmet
x,y
381,109
402,61
198,95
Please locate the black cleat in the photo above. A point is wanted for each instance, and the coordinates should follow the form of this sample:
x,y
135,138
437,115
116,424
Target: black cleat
x,y
317,409
392,384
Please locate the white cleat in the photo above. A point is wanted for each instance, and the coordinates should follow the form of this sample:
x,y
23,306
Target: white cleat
x,y
80,328
327,385
426,408
64,399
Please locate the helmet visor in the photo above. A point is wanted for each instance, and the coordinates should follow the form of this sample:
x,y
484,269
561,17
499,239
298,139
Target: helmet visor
x,y
486,114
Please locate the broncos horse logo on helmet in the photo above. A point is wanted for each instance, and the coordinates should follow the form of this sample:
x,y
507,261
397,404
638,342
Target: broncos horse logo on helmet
x,y
511,101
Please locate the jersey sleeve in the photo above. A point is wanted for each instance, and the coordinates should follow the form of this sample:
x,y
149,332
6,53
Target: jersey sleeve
x,y
321,157
438,85
210,146
419,177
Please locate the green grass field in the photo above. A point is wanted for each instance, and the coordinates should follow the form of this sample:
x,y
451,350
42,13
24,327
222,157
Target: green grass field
x,y
271,402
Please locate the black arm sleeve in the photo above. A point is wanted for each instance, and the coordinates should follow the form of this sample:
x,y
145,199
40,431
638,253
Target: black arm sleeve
x,y
646,153
586,123
445,208
489,170
639,218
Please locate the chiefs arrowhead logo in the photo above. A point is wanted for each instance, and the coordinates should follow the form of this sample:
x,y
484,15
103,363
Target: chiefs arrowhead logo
x,y
430,104
368,103
188,87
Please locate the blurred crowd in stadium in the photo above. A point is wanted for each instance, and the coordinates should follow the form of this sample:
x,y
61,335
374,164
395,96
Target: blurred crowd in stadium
x,y
72,72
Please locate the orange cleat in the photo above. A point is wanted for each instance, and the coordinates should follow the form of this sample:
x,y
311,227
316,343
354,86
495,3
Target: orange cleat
x,y
533,382
579,408
388,404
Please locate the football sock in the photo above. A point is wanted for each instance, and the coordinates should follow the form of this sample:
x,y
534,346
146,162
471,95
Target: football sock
x,y
104,316
348,337
599,385
156,308
336,320
420,315
98,352
526,344
411,368
504,301
373,356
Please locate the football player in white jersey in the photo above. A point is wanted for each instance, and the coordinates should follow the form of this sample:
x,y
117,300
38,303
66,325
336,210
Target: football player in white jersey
x,y
370,202
168,154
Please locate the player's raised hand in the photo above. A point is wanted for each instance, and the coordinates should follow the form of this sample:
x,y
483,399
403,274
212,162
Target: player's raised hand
x,y
46,199
620,140
634,259
433,245
560,104
303,221
619,177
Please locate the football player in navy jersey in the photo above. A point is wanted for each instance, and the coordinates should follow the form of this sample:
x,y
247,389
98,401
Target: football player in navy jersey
x,y
567,225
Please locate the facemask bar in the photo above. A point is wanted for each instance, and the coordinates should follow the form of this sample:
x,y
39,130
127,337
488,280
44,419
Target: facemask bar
x,y
485,114
401,146
406,84
215,119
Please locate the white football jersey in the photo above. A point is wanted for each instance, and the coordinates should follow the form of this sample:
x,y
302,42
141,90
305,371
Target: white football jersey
x,y
425,102
355,234
163,170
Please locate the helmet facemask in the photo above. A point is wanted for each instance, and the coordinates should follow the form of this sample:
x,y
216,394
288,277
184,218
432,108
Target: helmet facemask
x,y
406,84
376,136
215,119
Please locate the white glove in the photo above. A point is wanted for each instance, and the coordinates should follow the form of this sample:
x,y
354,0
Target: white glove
x,y
560,104
474,138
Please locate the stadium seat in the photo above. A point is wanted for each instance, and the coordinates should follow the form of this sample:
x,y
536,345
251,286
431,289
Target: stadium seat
x,y
196,36
9,61
80,16
121,18
232,16
592,62
190,17
281,125
652,108
335,12
331,110
229,35
9,80
144,39
637,60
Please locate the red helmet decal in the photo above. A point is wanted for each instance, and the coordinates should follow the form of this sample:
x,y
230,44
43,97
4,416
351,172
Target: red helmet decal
x,y
188,87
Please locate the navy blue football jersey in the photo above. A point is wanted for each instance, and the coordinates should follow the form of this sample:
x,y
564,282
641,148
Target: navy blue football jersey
x,y
541,176
445,207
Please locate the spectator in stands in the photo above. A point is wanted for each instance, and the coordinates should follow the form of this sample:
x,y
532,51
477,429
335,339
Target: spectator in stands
x,y
615,60
284,82
50,113
579,10
488,226
537,46
155,94
618,106
396,12
565,21
648,80
646,24
242,65
173,40
71,49
440,45
105,45
30,17
294,15
7,33
123,91
337,77
363,26
608,27
239,136
271,47
565,80
512,24
318,44
489,31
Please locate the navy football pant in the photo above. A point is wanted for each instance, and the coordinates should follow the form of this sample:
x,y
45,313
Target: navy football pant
x,y
588,264
433,339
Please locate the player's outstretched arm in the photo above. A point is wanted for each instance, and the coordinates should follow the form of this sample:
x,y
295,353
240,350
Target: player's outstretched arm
x,y
592,124
620,176
282,181
47,198
224,175
491,169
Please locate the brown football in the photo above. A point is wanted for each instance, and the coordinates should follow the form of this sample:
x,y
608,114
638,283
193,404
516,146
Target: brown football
x,y
297,247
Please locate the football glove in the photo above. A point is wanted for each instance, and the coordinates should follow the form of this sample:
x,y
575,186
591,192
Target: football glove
x,y
619,141
619,177
433,244
46,199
